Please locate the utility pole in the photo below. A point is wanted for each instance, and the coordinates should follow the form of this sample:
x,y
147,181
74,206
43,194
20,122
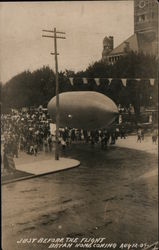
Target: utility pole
x,y
57,84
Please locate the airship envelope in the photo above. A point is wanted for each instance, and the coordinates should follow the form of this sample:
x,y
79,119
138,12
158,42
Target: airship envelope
x,y
84,110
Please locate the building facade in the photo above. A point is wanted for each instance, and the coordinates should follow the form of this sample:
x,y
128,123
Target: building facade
x,y
145,37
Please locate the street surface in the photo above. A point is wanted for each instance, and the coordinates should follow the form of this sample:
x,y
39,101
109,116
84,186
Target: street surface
x,y
112,194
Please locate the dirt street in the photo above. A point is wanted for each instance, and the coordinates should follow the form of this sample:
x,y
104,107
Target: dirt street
x,y
112,194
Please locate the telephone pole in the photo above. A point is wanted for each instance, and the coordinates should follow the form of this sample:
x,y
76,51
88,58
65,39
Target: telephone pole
x,y
55,37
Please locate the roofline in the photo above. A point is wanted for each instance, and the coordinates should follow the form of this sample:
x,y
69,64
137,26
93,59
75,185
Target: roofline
x,y
122,43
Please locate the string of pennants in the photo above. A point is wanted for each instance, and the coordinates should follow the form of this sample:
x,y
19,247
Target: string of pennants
x,y
97,80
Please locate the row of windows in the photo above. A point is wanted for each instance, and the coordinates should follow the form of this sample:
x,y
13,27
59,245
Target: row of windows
x,y
147,3
113,59
144,17
108,47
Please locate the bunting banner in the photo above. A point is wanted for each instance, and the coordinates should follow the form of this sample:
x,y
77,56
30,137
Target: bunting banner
x,y
85,81
124,82
152,81
71,80
97,80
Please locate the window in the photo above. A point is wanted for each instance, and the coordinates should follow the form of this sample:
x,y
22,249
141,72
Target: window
x,y
141,18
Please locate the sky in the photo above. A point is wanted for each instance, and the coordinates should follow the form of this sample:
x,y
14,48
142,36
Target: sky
x,y
85,23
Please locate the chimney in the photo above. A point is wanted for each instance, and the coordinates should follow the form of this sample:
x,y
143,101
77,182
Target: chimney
x,y
111,38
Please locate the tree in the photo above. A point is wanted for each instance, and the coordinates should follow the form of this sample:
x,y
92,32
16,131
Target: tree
x,y
132,65
135,65
32,89
38,87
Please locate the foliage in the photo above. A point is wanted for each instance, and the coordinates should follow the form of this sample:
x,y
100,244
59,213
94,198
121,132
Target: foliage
x,y
38,87
135,65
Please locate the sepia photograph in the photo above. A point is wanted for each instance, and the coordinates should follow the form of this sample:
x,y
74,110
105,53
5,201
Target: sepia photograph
x,y
79,124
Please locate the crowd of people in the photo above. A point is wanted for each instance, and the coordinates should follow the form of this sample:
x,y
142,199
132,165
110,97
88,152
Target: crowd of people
x,y
29,131
25,130
102,137
141,135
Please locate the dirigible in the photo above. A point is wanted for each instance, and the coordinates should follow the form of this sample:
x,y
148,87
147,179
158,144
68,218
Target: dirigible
x,y
83,110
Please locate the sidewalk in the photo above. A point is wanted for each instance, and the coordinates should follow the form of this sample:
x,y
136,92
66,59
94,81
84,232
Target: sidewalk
x,y
30,167
145,145
47,166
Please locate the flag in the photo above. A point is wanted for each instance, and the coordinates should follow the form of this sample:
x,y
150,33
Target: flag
x,y
52,128
124,82
71,80
97,80
120,119
152,81
85,81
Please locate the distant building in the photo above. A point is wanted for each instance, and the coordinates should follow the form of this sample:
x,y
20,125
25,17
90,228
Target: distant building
x,y
145,37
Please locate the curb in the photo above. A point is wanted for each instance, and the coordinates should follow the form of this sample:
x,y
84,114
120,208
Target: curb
x,y
38,175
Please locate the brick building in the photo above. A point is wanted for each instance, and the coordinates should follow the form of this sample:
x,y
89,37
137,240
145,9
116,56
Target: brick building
x,y
145,37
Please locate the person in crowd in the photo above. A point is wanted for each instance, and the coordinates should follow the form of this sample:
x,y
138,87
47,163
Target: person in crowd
x,y
139,135
8,162
35,149
31,150
142,134
45,145
113,138
154,137
73,137
86,137
117,133
5,159
92,140
63,143
104,142
50,143
122,133
15,148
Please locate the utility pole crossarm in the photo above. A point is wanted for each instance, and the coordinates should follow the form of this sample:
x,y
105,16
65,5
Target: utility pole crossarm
x,y
54,53
52,31
48,31
53,36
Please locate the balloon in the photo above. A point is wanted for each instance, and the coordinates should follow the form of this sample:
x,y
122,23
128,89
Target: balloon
x,y
83,110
